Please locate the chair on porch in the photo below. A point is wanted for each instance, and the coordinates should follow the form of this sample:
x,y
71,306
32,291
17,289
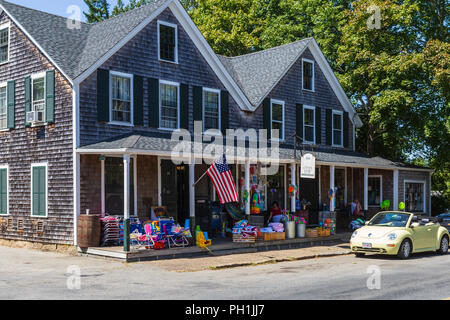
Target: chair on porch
x,y
151,237
174,239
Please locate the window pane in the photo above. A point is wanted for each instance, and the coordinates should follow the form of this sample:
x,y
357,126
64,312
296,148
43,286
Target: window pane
x,y
38,89
337,139
307,75
309,134
277,112
3,108
167,42
169,106
309,117
414,197
337,121
211,105
374,191
121,99
4,34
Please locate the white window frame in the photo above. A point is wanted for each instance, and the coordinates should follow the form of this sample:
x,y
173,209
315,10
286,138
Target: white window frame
x,y
4,26
7,191
5,85
381,189
171,25
175,84
33,165
341,113
424,193
314,124
313,75
220,108
282,103
33,78
123,75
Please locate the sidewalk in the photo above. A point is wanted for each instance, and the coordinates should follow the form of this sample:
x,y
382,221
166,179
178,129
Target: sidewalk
x,y
250,259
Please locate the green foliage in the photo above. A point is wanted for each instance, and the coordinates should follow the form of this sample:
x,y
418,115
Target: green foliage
x,y
98,10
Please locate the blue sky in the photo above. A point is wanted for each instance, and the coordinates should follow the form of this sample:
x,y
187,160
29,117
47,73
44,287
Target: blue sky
x,y
58,7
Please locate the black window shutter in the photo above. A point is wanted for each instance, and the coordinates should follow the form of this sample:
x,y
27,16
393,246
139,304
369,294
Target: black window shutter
x,y
50,96
11,96
103,95
267,117
27,98
153,102
198,103
225,110
299,127
318,126
138,97
329,124
184,106
346,127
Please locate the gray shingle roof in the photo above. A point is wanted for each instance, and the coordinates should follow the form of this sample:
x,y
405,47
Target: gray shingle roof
x,y
152,142
257,73
75,50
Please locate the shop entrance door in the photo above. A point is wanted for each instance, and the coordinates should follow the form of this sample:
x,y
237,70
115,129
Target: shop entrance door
x,y
309,190
169,192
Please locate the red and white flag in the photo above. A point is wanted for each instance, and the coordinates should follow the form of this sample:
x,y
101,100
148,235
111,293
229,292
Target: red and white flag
x,y
220,174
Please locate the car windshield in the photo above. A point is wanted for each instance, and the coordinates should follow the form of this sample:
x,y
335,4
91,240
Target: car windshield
x,y
390,219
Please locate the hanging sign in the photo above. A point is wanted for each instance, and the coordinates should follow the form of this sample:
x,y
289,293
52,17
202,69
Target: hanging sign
x,y
308,168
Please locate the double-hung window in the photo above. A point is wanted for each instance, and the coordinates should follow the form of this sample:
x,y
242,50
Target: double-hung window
x,y
169,105
211,109
4,43
38,96
308,74
375,190
415,196
167,42
338,128
309,124
3,107
4,180
277,117
121,98
39,190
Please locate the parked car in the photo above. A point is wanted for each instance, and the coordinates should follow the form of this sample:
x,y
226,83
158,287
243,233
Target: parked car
x,y
444,220
401,234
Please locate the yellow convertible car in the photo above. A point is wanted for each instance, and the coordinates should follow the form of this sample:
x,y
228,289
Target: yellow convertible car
x,y
401,234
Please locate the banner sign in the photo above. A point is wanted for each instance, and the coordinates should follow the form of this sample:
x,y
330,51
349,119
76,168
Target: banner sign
x,y
308,168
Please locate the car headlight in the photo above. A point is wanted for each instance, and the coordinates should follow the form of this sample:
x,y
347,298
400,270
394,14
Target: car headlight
x,y
392,236
354,234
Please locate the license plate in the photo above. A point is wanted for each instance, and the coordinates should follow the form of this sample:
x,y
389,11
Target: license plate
x,y
367,245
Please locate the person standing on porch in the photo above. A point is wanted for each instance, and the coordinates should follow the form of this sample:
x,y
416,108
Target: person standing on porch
x,y
275,212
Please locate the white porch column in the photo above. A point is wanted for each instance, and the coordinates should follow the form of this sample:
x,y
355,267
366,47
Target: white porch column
x,y
293,182
102,179
366,189
332,187
247,187
395,186
192,190
126,186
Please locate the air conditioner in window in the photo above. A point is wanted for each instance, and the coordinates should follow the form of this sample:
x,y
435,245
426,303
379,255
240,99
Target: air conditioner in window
x,y
35,116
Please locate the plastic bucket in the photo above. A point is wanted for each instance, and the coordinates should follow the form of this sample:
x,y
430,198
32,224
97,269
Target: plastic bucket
x,y
290,230
301,230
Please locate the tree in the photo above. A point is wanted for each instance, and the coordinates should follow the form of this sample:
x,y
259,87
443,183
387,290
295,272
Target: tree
x,y
98,10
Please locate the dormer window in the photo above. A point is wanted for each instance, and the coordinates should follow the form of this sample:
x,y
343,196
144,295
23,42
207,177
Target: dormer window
x,y
308,74
4,43
167,42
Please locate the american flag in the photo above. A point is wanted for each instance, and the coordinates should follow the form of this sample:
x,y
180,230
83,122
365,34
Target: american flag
x,y
220,174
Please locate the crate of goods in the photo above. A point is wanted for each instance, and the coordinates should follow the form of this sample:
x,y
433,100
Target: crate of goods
x,y
256,220
274,236
312,233
243,239
323,232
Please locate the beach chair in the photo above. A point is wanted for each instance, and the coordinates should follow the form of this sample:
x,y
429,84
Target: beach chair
x,y
174,239
151,236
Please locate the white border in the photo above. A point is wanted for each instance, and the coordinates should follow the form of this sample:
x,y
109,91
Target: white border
x,y
175,84
174,26
6,166
381,189
282,103
341,113
4,26
220,107
122,75
33,165
305,107
313,75
424,193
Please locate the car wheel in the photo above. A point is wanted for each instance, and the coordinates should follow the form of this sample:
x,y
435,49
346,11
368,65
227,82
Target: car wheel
x,y
443,248
405,249
359,254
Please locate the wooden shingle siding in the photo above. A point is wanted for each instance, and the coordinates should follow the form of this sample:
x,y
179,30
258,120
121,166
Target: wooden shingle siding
x,y
52,144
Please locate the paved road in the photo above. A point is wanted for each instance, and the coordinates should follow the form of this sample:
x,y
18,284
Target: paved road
x,y
28,274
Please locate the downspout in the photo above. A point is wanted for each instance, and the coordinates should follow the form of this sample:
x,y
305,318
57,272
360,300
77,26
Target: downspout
x,y
76,159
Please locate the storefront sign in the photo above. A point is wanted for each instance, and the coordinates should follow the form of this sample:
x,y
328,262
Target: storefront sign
x,y
308,170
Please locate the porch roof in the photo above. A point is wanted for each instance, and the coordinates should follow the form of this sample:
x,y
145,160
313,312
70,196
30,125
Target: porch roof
x,y
157,145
